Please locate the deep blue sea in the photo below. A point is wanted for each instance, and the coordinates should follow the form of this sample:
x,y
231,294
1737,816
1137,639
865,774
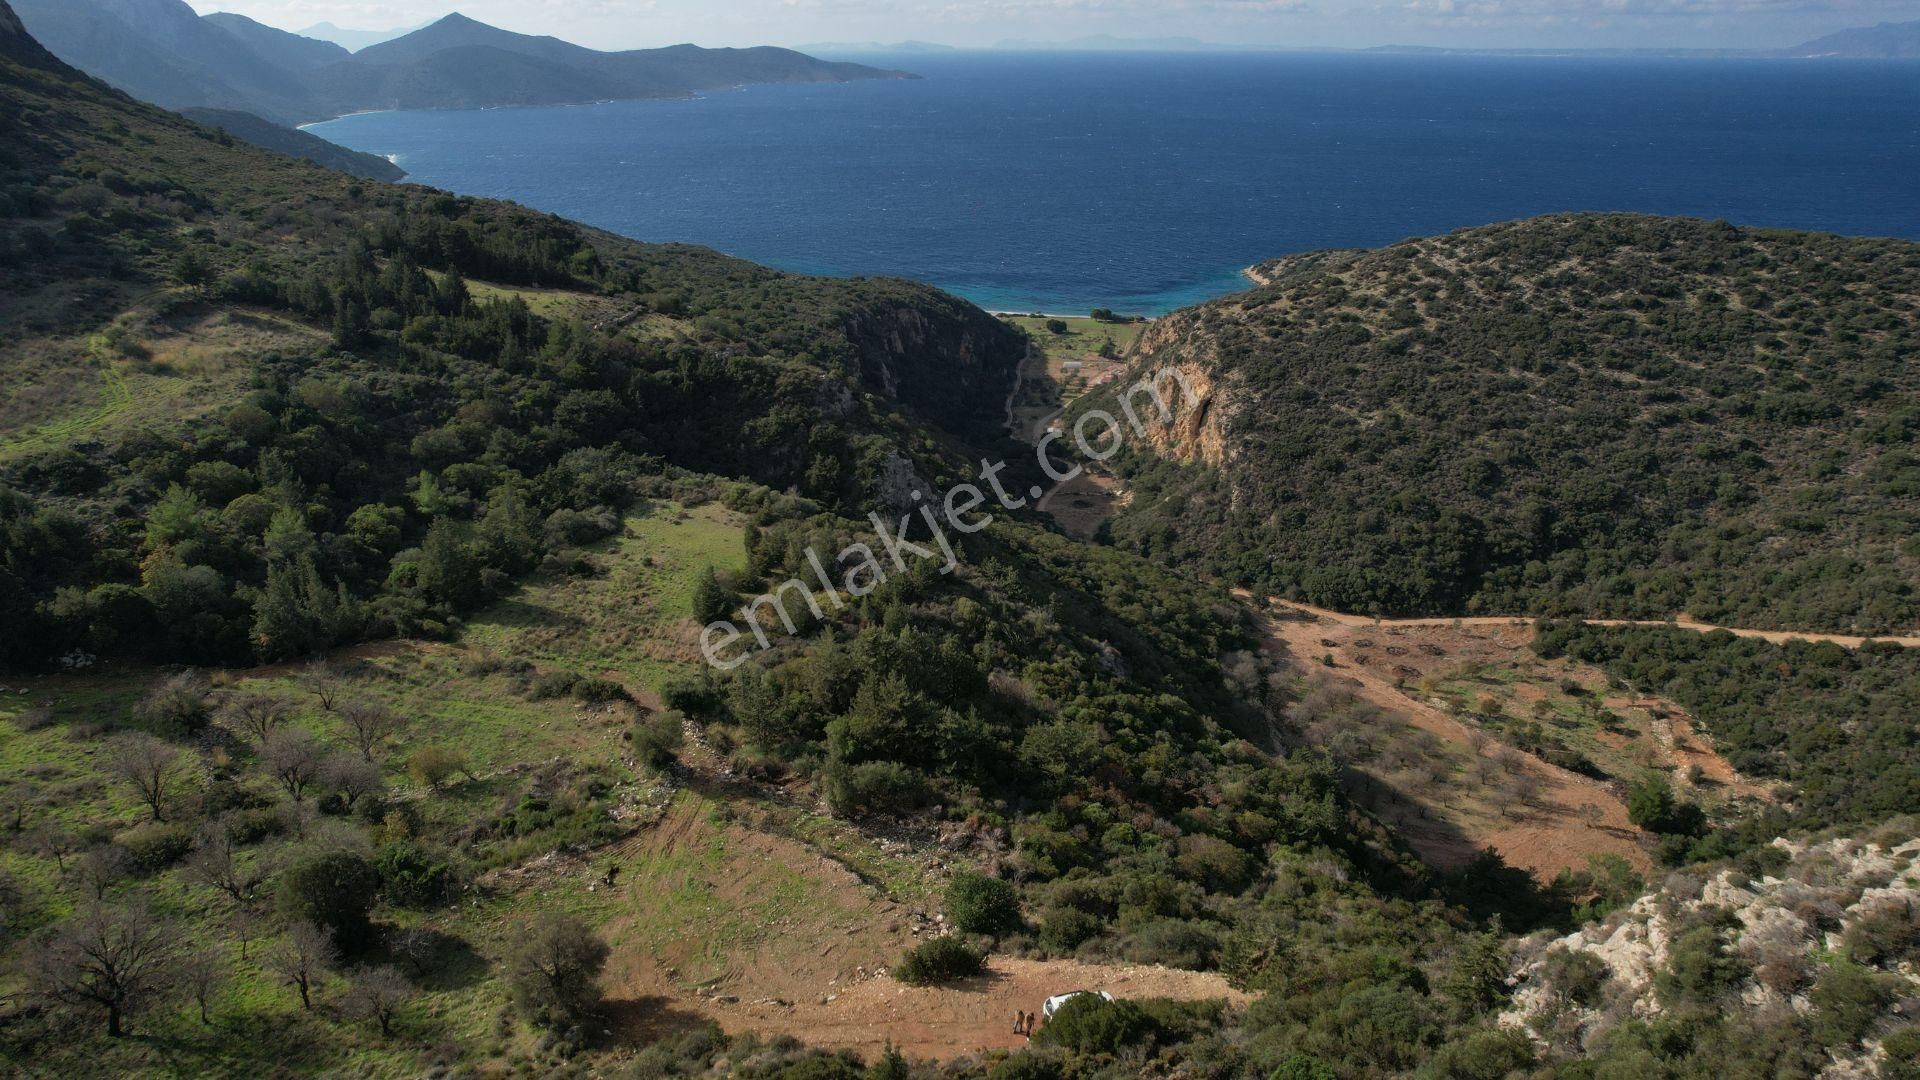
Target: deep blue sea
x,y
1144,182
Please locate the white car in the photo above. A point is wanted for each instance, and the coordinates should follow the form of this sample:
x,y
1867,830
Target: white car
x,y
1053,1003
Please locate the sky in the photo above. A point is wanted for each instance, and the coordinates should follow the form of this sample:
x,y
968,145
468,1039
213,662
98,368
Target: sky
x,y
613,24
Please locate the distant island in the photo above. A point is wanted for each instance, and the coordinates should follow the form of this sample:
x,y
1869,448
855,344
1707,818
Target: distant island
x,y
1887,41
163,52
833,48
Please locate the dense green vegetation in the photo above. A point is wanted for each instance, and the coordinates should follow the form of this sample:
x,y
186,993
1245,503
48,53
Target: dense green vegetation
x,y
1835,724
448,437
558,449
298,143
1588,415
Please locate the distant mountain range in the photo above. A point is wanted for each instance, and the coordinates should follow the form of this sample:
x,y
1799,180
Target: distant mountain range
x,y
1887,41
163,52
355,40
830,48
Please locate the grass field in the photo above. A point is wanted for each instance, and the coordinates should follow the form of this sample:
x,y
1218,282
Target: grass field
x,y
544,776
163,360
1084,337
634,618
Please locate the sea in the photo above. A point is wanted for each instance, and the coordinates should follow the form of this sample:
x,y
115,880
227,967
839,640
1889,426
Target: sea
x,y
1146,182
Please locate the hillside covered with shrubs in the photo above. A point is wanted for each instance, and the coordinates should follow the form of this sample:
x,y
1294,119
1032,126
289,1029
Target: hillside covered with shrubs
x,y
1601,415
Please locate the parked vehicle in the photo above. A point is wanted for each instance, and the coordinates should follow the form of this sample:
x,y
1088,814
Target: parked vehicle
x,y
1053,1003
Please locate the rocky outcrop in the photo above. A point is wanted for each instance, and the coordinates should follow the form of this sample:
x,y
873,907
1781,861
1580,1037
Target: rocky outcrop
x,y
1787,925
1193,429
941,357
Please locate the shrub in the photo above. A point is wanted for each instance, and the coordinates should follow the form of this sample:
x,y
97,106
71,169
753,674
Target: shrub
x,y
553,684
1174,943
1064,929
1090,1024
555,971
875,787
1885,936
1903,1054
1651,806
1699,968
1575,975
410,876
656,740
156,845
692,694
978,904
599,691
1848,1000
334,890
1302,1067
1483,1055
1039,1063
434,765
939,960
179,706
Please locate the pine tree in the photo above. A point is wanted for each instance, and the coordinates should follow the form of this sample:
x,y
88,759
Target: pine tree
x,y
712,601
296,614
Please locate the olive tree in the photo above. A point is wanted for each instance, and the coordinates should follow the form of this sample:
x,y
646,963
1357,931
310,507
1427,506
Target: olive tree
x,y
150,766
555,970
304,958
112,959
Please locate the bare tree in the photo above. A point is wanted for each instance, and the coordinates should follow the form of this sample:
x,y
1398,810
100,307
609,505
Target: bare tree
x,y
216,862
417,945
256,715
152,767
351,777
14,809
304,958
203,973
13,899
177,705
377,994
323,682
100,868
293,757
368,724
246,927
53,842
112,959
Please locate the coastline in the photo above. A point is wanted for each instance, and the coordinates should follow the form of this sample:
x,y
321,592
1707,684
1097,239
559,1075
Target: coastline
x,y
1253,274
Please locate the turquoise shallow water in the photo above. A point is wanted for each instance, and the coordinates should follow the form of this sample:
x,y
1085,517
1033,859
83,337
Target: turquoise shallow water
x,y
1060,183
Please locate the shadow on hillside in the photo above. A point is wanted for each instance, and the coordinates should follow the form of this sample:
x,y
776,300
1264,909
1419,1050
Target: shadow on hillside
x,y
651,1018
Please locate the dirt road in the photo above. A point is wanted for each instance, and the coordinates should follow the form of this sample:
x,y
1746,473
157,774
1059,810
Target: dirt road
x,y
1778,637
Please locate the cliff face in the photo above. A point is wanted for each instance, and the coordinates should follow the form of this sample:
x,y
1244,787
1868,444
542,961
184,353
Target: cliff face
x,y
944,358
1200,404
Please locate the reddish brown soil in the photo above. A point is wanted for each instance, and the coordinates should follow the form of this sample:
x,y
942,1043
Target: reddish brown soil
x,y
1570,818
817,968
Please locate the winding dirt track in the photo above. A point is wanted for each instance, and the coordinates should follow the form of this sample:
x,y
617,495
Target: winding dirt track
x,y
1778,637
